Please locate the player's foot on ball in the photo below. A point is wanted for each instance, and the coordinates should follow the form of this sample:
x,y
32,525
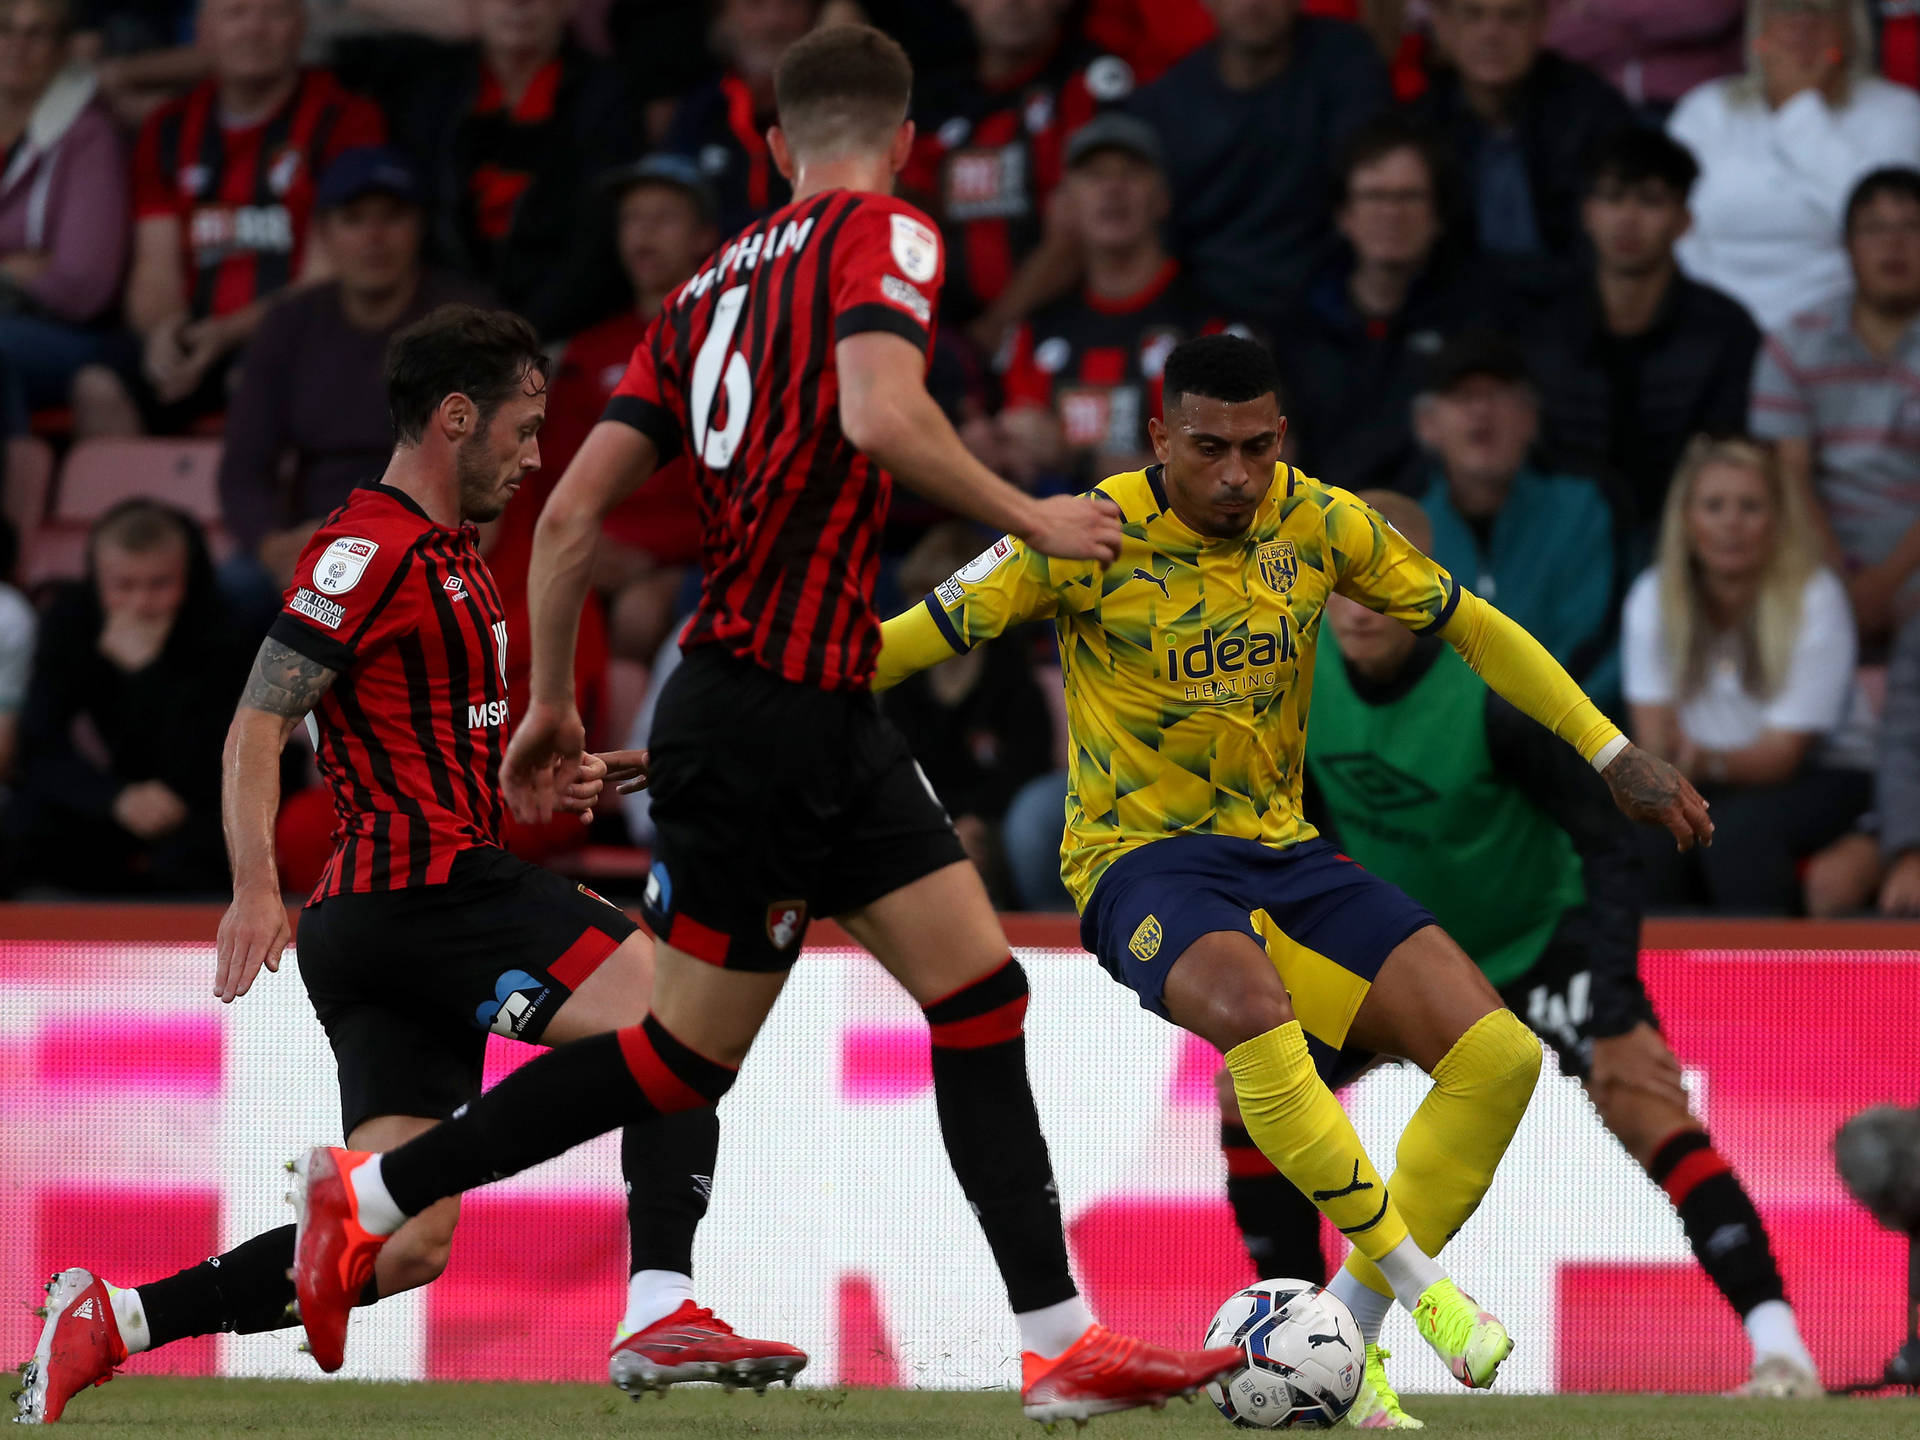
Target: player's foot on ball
x,y
694,1344
1467,1339
333,1253
79,1346
1102,1372
1781,1377
1377,1407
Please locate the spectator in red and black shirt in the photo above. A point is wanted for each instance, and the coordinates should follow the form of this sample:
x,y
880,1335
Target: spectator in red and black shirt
x,y
664,229
722,126
991,147
223,183
1084,374
509,135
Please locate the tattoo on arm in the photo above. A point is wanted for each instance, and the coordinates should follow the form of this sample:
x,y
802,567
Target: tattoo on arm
x,y
285,682
1642,783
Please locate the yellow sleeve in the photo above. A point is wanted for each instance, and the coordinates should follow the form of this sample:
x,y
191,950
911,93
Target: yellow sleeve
x,y
1518,668
1005,585
1375,564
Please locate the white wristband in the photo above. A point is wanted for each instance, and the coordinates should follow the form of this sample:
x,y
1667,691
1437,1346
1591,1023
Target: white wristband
x,y
1609,750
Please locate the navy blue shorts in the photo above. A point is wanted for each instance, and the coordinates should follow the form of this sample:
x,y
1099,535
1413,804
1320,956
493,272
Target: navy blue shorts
x,y
1327,922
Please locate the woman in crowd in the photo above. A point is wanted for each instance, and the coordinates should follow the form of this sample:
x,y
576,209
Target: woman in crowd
x,y
1738,651
1779,148
63,208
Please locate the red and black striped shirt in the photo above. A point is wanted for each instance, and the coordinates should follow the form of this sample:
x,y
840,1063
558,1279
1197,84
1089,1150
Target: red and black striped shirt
x,y
244,194
411,733
738,371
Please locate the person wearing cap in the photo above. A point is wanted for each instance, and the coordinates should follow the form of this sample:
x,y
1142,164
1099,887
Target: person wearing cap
x,y
989,149
1541,546
309,420
1083,375
508,135
665,224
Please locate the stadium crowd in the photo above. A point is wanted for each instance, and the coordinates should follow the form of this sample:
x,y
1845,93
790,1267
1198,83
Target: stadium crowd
x,y
1622,293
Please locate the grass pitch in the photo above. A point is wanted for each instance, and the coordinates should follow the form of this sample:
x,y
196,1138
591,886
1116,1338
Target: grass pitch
x,y
159,1409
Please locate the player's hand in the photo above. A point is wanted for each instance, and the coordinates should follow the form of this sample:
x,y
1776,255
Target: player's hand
x,y
578,795
1076,527
1900,895
628,770
253,933
1648,789
546,747
1638,1061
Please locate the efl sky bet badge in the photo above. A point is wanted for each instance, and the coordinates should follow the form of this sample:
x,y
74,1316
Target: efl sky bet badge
x,y
342,563
1278,565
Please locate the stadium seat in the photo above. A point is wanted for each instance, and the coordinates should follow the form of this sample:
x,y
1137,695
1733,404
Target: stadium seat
x,y
99,474
29,478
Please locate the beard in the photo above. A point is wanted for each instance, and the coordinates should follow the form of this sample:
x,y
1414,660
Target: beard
x,y
478,474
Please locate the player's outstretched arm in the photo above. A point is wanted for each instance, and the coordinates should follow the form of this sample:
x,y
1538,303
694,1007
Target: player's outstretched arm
x,y
549,739
886,412
283,687
1518,668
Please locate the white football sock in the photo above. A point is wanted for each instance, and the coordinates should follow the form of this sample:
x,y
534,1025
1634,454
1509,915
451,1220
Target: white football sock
x,y
131,1317
1773,1331
652,1295
1368,1305
1052,1331
378,1214
1407,1268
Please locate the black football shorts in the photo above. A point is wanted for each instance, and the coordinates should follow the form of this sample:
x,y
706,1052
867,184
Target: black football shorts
x,y
409,983
1563,1006
775,803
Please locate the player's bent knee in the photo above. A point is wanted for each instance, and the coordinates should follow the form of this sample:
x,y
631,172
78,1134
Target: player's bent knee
x,y
1512,1051
1225,990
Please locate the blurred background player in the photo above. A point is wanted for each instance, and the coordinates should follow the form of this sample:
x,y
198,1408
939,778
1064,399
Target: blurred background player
x,y
790,371
424,935
1432,781
1201,887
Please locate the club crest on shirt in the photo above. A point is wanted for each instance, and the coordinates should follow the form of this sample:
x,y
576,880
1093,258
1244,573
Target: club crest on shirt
x,y
916,249
785,920
284,170
1278,565
1145,943
342,563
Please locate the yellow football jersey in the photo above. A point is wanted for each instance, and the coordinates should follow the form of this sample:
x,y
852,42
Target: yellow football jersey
x,y
1188,661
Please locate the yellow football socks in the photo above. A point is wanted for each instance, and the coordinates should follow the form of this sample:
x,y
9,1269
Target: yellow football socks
x,y
1453,1143
1299,1125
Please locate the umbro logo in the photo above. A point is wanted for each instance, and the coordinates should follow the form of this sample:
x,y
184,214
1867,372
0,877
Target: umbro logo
x,y
456,587
1382,786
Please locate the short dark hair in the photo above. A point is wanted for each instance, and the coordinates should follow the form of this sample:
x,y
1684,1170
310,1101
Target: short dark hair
x,y
1220,367
844,85
1634,154
485,355
1900,181
1384,136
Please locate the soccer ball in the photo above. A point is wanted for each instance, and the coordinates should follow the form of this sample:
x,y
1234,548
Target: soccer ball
x,y
1304,1357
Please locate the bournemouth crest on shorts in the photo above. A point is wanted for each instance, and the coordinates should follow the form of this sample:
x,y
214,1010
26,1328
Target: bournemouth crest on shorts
x,y
785,920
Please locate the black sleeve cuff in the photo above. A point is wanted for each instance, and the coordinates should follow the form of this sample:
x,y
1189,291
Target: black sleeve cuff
x,y
876,316
655,422
303,639
945,625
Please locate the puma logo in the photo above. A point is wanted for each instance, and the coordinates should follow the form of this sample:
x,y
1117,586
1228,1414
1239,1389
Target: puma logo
x,y
1320,1197
1152,579
1315,1341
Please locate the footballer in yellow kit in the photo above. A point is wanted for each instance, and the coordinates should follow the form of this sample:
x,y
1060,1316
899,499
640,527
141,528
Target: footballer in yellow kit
x,y
1188,666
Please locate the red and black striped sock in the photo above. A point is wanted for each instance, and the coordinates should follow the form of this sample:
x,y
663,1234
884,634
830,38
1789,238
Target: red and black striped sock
x,y
1719,1217
562,1099
992,1134
1278,1224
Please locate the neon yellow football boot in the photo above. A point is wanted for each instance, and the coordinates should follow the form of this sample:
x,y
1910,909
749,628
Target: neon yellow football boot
x,y
1376,1407
1471,1342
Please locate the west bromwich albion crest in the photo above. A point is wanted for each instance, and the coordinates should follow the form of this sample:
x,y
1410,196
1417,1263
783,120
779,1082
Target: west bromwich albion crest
x,y
1278,566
